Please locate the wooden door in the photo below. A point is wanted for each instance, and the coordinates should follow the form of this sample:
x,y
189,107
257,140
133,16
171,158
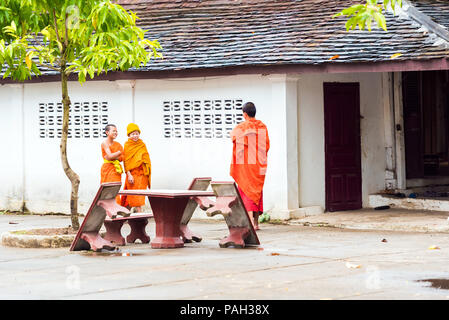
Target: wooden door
x,y
413,138
342,146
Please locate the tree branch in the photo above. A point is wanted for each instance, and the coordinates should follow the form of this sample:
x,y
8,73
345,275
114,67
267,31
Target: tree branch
x,y
68,73
44,64
49,66
56,26
66,40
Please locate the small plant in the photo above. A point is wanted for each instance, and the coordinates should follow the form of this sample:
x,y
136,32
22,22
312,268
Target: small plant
x,y
277,221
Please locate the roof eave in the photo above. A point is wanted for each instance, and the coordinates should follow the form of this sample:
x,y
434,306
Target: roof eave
x,y
332,67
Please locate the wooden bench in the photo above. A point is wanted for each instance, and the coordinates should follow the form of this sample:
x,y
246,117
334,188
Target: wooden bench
x,y
230,205
137,223
204,202
88,236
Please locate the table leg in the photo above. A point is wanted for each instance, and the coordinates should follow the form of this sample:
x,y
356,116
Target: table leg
x,y
113,231
112,208
138,231
96,242
236,238
188,235
167,214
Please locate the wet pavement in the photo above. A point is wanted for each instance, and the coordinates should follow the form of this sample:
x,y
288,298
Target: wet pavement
x,y
293,262
390,219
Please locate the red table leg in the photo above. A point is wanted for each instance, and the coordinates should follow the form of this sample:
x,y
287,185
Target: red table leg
x,y
112,208
188,235
113,231
236,238
96,242
138,231
222,206
167,214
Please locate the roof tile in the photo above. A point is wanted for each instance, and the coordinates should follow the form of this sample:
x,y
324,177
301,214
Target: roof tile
x,y
215,33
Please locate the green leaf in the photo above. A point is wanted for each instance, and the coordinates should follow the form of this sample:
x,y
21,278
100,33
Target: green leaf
x,y
35,70
351,23
381,21
7,73
28,59
82,76
45,33
368,23
362,15
59,46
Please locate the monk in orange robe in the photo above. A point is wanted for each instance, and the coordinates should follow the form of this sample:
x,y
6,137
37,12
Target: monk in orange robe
x,y
112,152
137,167
249,161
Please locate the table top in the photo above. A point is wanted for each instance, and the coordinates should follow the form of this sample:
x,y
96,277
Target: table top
x,y
167,193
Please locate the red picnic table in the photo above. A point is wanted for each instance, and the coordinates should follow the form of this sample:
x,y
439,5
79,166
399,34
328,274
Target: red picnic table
x,y
172,210
168,207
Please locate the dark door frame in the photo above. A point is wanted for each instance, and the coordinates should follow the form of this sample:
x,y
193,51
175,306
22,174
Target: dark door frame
x,y
354,89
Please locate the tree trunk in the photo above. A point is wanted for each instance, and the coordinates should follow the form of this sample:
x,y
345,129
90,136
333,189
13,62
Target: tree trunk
x,y
73,177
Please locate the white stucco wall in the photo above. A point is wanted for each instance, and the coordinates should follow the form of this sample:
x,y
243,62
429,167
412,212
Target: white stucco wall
x,y
175,161
47,189
11,146
311,135
34,166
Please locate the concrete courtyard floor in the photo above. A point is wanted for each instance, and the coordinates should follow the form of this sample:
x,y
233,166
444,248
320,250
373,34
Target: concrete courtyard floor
x,y
308,259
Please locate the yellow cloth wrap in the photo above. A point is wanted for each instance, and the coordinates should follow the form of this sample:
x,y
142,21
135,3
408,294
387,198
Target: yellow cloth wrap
x,y
131,128
116,164
147,169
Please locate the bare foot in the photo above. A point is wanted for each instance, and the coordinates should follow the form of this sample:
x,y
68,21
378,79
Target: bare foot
x,y
256,221
254,225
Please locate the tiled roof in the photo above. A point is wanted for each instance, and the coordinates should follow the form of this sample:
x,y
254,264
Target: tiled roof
x,y
437,10
208,34
221,33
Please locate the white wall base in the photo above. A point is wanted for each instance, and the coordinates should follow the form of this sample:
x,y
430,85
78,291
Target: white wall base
x,y
11,204
280,214
306,212
377,200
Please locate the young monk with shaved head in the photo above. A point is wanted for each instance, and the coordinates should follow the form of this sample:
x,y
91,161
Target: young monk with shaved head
x,y
249,161
112,151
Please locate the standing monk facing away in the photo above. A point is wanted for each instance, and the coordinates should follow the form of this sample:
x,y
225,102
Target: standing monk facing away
x,y
137,166
112,151
249,161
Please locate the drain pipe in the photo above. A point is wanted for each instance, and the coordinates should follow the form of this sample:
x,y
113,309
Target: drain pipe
x,y
22,111
133,89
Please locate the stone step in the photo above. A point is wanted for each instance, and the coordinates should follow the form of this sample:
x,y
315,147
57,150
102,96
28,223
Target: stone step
x,y
431,203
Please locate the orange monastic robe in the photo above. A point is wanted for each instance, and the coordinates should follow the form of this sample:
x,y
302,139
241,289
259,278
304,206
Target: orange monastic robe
x,y
137,161
108,170
249,157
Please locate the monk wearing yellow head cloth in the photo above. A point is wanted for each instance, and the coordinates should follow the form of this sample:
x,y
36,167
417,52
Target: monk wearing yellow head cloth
x,y
137,165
